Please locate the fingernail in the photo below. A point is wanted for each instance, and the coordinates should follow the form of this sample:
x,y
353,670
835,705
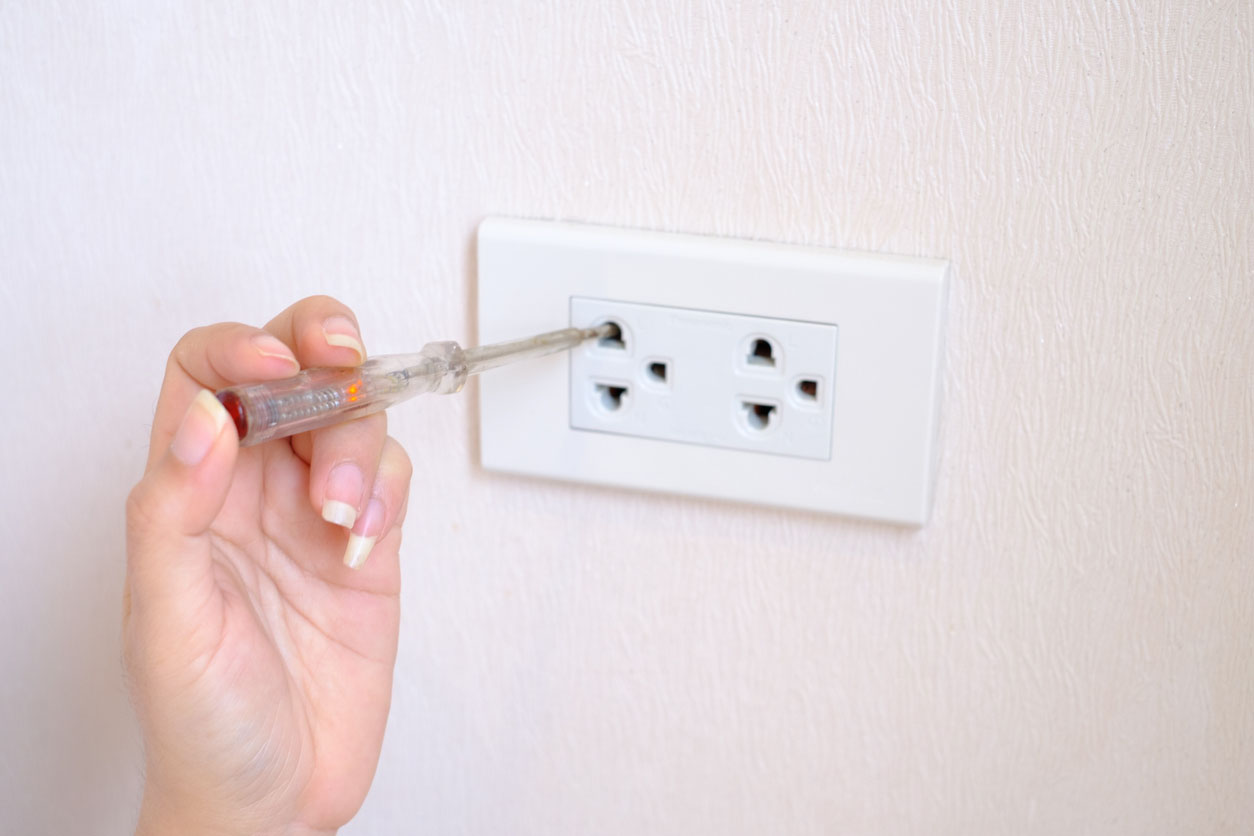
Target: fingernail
x,y
268,345
362,538
201,426
340,332
342,493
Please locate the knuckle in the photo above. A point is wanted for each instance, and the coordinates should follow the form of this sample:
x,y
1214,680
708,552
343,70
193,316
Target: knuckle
x,y
321,300
178,354
141,514
401,463
206,340
137,514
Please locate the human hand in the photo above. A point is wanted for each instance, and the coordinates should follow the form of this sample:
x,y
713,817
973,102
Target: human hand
x,y
260,664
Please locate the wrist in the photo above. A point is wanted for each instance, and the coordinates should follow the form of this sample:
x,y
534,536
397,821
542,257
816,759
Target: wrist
x,y
159,817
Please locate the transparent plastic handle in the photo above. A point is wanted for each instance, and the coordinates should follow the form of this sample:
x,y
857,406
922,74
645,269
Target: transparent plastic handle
x,y
320,397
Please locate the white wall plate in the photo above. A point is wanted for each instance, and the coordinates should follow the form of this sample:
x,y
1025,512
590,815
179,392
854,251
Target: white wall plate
x,y
867,329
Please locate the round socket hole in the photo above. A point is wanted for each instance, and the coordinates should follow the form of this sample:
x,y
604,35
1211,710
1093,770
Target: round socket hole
x,y
615,340
758,416
808,390
610,397
761,353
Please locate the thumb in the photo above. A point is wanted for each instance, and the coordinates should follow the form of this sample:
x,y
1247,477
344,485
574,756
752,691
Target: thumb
x,y
181,495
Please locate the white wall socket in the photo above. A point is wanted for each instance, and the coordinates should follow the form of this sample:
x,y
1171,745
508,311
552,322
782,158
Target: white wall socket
x,y
866,330
697,377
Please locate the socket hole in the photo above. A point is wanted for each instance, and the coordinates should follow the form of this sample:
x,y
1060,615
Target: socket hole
x,y
761,353
657,372
613,340
610,397
758,415
808,390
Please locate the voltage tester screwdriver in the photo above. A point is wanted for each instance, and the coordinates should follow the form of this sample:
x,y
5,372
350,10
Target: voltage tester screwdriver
x,y
324,396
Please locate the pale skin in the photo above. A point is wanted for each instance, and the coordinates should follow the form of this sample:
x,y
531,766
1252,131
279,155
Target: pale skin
x,y
259,663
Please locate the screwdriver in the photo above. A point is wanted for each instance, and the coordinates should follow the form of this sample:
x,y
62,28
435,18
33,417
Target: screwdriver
x,y
323,396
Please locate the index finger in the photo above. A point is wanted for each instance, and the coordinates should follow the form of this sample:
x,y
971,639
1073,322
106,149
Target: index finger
x,y
321,331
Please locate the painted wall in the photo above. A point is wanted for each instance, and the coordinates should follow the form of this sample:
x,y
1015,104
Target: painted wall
x,y
1066,648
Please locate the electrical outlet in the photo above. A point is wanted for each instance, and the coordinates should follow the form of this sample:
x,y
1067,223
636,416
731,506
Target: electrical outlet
x,y
699,377
779,375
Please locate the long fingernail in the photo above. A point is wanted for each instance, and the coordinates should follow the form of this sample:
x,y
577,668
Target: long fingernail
x,y
340,332
268,345
342,493
201,427
363,536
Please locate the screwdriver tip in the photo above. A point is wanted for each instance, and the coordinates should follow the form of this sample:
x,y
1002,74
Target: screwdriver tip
x,y
605,330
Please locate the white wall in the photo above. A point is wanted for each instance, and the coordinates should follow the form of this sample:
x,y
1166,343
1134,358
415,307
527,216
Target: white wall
x,y
1065,649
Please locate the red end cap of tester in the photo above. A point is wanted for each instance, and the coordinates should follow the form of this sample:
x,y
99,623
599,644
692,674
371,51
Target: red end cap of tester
x,y
235,408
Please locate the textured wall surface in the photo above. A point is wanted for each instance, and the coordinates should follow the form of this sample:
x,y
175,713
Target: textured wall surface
x,y
1065,649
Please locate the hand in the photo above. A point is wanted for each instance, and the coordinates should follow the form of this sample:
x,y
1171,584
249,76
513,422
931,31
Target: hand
x,y
260,664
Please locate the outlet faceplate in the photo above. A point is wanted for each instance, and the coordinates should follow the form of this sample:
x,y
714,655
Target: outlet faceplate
x,y
882,317
699,377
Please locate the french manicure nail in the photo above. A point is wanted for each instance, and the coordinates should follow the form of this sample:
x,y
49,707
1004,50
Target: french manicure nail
x,y
341,495
364,535
339,331
201,426
268,345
